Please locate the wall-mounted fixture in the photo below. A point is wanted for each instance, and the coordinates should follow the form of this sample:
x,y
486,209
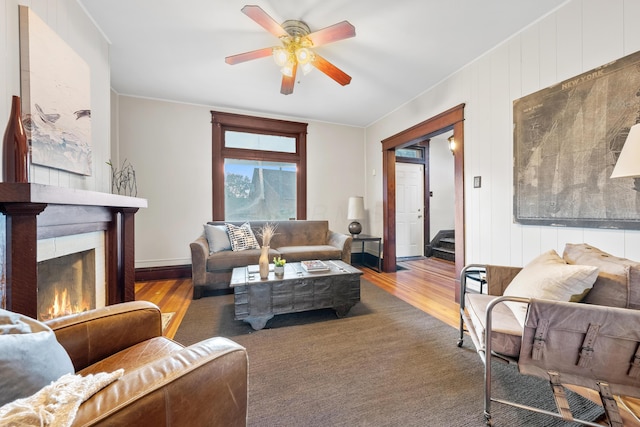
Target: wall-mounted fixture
x,y
452,144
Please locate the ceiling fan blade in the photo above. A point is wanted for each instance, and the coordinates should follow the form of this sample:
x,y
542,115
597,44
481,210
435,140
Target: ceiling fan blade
x,y
248,56
341,30
331,70
288,82
265,21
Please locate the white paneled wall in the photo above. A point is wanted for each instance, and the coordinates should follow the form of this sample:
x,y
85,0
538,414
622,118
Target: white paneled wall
x,y
72,24
579,36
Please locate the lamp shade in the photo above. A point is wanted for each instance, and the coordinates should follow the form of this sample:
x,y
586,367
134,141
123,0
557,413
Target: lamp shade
x,y
356,208
628,164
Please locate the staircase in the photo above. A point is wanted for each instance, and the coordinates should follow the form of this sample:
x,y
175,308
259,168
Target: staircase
x,y
442,246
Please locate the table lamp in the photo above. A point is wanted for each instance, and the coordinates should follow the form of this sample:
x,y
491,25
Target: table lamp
x,y
354,213
628,164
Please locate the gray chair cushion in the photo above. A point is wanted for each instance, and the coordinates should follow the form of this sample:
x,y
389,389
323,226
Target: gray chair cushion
x,y
507,331
30,357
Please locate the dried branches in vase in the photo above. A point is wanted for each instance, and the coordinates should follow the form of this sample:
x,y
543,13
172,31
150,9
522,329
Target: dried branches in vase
x,y
266,233
123,181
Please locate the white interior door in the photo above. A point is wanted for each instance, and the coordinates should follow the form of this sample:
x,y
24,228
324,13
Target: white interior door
x,y
409,210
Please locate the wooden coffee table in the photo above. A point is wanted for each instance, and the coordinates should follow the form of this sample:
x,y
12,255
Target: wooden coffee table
x,y
256,301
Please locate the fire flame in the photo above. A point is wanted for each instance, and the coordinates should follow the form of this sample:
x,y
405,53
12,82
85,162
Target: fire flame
x,y
62,306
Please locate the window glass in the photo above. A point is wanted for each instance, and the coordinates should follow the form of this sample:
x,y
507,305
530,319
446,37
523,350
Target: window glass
x,y
409,153
255,141
259,190
258,168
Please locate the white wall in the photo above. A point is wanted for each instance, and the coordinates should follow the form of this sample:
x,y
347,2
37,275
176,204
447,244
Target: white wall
x,y
441,185
579,36
72,24
169,145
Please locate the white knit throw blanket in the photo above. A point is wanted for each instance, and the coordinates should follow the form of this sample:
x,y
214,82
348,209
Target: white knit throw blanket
x,y
56,404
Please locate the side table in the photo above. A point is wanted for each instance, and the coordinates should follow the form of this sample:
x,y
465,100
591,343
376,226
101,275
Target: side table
x,y
367,238
478,275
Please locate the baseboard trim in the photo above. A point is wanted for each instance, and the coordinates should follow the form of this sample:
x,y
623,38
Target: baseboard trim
x,y
163,273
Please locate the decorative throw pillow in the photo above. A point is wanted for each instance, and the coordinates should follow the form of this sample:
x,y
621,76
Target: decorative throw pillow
x,y
549,277
242,238
618,283
217,237
30,356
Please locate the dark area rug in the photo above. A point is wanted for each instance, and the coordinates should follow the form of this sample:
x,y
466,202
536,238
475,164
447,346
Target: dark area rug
x,y
385,364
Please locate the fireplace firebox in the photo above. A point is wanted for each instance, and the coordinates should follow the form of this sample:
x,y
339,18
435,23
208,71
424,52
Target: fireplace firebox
x,y
67,284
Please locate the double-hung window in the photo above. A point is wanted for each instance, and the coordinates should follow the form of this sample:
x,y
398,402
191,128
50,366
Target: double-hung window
x,y
259,168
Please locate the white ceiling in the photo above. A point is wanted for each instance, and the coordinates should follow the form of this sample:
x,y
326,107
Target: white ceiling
x,y
175,49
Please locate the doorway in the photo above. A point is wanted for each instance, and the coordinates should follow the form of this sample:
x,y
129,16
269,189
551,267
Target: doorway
x,y
452,119
409,210
425,198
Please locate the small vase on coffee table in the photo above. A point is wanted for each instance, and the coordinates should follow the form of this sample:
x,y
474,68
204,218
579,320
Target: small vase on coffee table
x,y
263,262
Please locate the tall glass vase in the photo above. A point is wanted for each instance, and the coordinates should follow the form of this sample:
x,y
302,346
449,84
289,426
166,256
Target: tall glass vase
x,y
16,156
263,262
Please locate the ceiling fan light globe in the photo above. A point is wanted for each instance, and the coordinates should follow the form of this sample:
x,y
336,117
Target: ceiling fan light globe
x,y
303,55
306,68
287,70
280,56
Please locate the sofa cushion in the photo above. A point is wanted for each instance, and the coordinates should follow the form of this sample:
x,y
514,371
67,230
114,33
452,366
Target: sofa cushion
x,y
301,233
230,259
217,237
618,282
242,237
30,356
548,276
302,253
507,331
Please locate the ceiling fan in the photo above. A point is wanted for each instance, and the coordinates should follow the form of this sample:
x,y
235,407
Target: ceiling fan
x,y
297,47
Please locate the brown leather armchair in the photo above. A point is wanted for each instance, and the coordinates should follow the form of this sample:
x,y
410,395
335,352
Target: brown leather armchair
x,y
164,383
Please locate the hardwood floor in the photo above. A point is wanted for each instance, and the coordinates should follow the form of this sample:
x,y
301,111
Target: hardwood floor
x,y
425,283
172,296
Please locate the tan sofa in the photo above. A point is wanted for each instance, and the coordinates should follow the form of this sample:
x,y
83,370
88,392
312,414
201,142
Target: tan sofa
x,y
164,383
294,241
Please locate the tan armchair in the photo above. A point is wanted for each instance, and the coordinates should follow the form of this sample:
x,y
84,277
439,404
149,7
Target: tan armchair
x,y
164,383
592,348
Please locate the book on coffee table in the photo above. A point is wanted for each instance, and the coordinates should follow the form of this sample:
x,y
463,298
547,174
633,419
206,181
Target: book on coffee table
x,y
314,266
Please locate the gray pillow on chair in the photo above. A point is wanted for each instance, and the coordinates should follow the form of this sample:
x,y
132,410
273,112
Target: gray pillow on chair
x,y
30,356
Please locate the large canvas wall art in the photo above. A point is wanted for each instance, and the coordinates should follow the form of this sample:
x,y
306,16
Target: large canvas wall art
x,y
56,99
567,139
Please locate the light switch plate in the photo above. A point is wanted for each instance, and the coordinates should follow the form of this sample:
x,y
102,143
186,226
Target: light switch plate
x,y
477,181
